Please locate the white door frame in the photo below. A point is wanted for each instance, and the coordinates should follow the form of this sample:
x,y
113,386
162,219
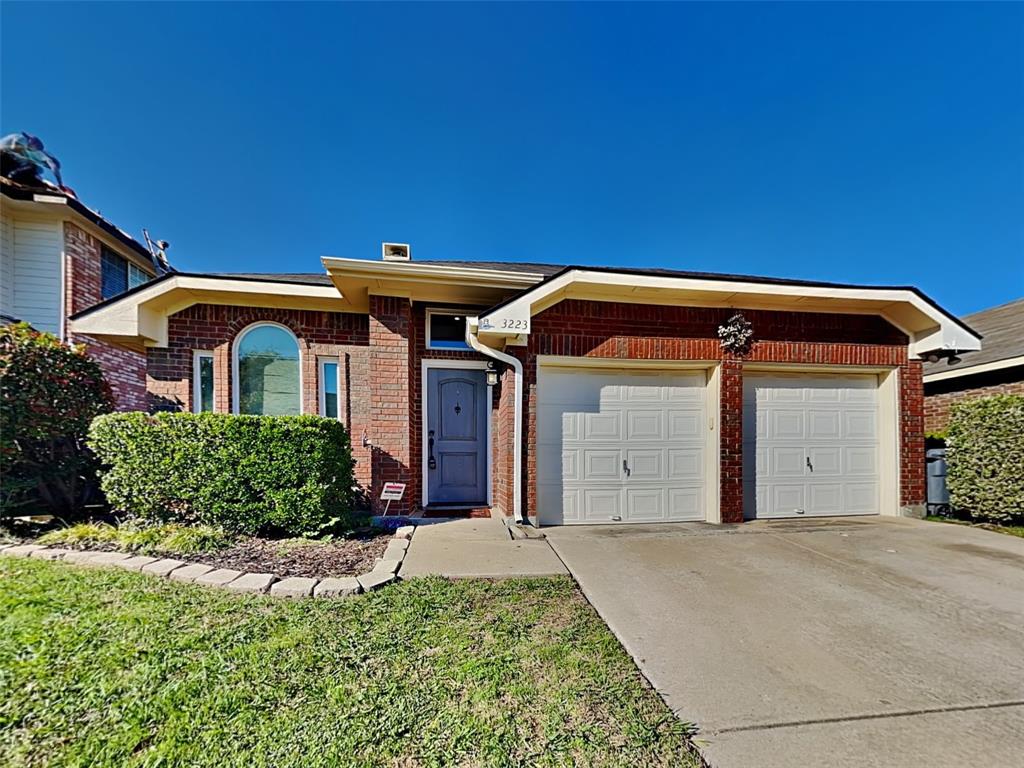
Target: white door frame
x,y
425,365
712,404
888,418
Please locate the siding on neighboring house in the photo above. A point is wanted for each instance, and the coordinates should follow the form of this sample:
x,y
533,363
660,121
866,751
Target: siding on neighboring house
x,y
6,265
33,251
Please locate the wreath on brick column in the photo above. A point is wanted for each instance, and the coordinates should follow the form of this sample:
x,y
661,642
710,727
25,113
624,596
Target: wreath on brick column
x,y
735,334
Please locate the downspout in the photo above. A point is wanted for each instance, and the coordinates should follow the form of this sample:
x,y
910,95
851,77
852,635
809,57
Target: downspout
x,y
472,326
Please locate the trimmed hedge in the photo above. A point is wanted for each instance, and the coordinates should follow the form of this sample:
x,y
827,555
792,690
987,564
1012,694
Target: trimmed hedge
x,y
985,454
248,474
49,393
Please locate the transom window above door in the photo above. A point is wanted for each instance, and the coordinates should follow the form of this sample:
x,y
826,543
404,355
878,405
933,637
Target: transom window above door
x,y
446,329
266,368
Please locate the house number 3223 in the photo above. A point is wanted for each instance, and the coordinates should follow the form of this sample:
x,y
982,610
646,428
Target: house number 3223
x,y
515,325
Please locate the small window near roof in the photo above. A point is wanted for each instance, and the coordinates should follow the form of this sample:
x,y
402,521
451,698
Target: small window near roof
x,y
117,274
446,329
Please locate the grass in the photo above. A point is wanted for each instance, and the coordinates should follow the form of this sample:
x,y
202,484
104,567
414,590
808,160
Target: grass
x,y
170,538
1009,530
109,668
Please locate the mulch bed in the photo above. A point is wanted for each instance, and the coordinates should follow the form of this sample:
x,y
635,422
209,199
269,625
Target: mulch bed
x,y
300,557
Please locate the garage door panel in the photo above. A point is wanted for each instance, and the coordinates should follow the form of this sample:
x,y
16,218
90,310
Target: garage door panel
x,y
601,504
645,425
862,460
815,450
785,462
601,464
823,425
685,425
785,424
686,503
685,464
860,425
825,460
861,498
646,464
652,421
645,504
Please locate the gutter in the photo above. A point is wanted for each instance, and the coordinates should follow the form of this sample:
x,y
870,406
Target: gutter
x,y
472,328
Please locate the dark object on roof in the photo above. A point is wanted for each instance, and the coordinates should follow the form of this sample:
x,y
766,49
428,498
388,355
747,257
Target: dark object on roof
x,y
1003,329
24,159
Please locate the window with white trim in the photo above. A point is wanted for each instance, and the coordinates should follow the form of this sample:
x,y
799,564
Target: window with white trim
x,y
446,329
267,376
330,389
202,381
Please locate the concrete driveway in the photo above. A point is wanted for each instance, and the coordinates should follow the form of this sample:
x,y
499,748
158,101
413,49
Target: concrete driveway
x,y
881,642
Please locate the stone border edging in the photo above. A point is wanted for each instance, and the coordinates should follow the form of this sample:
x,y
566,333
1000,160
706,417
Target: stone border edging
x,y
384,571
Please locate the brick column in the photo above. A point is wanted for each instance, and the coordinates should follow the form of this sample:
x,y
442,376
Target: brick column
x,y
731,436
912,479
390,325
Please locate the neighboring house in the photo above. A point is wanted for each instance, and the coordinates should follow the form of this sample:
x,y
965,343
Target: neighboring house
x,y
58,257
564,394
997,369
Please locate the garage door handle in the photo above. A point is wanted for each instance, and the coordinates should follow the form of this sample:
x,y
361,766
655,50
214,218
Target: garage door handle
x,y
625,467
809,465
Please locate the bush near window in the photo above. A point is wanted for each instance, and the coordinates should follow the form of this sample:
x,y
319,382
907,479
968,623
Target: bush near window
x,y
248,474
49,393
985,454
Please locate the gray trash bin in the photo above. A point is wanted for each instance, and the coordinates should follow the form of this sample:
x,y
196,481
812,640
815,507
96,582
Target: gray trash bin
x,y
938,493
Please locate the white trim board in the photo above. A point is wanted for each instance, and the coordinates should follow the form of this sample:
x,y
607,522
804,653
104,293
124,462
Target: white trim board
x,y
425,365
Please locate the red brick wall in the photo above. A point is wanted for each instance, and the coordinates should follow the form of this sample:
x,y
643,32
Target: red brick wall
x,y
936,406
214,327
631,331
123,369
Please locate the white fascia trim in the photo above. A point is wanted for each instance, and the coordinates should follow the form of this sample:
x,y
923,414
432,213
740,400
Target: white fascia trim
x,y
946,334
956,372
130,316
410,269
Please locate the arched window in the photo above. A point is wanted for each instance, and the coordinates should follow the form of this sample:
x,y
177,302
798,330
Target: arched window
x,y
266,371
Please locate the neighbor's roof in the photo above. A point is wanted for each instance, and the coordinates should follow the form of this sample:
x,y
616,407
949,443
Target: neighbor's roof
x,y
27,193
1003,329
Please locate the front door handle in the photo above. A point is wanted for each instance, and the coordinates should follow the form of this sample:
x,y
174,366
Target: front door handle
x,y
809,465
625,467
431,461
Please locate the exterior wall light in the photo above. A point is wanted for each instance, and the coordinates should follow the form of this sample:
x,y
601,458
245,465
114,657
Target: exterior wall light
x,y
492,375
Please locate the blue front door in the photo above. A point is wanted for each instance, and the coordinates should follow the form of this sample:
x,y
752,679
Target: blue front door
x,y
456,457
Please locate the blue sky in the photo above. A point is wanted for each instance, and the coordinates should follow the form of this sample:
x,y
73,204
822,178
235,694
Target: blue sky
x,y
865,143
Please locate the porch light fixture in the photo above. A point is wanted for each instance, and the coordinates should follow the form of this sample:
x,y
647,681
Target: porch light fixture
x,y
492,375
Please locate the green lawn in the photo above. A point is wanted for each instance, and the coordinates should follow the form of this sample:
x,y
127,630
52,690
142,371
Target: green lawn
x,y
109,668
1009,530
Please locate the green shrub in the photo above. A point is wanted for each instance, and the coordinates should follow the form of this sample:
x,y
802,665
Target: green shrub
x,y
985,451
248,474
49,393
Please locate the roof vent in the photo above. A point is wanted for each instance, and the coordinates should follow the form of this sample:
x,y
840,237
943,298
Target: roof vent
x,y
396,251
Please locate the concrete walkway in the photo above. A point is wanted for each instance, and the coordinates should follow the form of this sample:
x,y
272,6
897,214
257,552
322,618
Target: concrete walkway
x,y
476,548
821,644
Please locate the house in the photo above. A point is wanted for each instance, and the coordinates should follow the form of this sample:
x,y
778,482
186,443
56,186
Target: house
x,y
564,394
997,369
58,257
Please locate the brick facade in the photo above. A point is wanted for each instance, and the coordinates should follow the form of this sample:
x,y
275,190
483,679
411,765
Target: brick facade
x,y
214,328
123,369
938,403
381,357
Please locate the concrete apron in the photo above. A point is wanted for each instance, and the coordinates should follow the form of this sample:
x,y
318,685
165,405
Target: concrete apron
x,y
476,548
881,642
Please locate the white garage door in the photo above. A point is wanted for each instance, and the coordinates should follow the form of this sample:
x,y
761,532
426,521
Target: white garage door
x,y
620,447
810,445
